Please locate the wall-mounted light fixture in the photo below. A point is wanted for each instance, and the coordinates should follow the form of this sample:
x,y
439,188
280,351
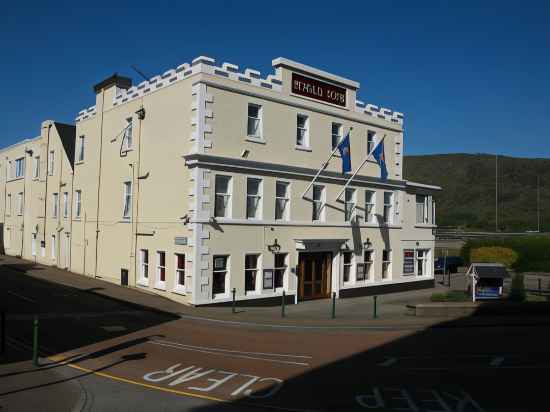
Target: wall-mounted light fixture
x,y
275,247
141,113
29,152
367,244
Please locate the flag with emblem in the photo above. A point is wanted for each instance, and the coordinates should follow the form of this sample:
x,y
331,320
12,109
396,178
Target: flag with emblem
x,y
380,157
345,153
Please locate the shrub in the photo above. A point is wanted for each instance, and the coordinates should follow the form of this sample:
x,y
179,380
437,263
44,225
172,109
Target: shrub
x,y
450,296
517,290
497,254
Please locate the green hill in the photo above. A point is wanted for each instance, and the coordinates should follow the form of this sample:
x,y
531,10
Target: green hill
x,y
468,196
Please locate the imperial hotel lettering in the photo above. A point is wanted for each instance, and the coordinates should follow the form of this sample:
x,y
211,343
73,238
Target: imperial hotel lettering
x,y
315,89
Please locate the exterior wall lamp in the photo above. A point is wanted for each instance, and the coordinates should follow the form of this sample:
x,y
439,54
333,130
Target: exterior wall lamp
x,y
141,113
275,247
367,244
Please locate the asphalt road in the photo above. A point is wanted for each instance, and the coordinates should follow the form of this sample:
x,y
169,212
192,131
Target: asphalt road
x,y
126,358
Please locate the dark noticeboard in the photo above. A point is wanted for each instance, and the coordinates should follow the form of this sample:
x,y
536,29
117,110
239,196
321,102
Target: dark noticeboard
x,y
268,279
318,90
180,240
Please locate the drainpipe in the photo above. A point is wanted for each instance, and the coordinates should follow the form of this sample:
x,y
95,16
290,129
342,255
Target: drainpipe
x,y
23,205
46,187
99,180
71,222
136,216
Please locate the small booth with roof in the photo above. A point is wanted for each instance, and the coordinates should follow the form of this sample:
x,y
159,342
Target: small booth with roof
x,y
487,280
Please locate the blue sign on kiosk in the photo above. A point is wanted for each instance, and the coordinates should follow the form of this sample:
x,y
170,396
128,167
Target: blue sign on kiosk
x,y
488,280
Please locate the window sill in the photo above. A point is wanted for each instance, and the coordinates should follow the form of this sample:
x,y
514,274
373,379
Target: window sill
x,y
13,179
125,220
143,282
303,148
160,286
255,140
180,290
425,225
79,162
220,296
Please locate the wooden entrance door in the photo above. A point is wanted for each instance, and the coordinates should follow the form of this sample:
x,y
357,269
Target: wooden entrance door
x,y
314,270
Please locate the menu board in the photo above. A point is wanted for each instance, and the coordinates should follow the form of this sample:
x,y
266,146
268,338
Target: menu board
x,y
408,262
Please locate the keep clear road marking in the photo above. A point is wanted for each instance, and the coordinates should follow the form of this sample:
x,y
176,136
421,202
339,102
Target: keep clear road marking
x,y
17,295
262,356
497,361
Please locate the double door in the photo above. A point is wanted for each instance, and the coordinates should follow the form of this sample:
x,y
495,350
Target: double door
x,y
314,271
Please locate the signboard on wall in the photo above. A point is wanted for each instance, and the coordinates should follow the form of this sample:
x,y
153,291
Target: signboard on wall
x,y
408,261
318,90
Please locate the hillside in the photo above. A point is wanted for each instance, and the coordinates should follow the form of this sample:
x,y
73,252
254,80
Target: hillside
x,y
468,197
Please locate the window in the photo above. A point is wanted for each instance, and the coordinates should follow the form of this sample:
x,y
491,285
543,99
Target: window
x,y
144,265
370,206
250,272
282,200
421,209
20,203
78,203
19,167
422,262
33,244
222,205
348,259
318,211
180,270
219,275
386,264
53,246
65,205
36,167
349,205
81,148
8,238
127,200
161,270
51,163
253,198
55,204
408,261
336,134
371,141
367,261
388,207
8,205
279,269
433,211
9,171
302,134
254,126
128,139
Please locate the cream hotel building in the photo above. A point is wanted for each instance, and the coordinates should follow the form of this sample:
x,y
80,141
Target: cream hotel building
x,y
191,184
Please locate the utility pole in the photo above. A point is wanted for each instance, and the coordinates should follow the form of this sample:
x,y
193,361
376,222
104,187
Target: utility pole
x,y
496,193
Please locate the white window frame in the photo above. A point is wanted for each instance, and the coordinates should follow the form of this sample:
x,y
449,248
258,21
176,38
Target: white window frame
x,y
128,143
259,209
160,284
387,263
78,204
425,262
8,205
321,201
20,204
33,244
179,273
370,207
369,264
19,167
424,212
350,265
54,242
127,201
227,280
51,162
65,205
36,167
283,268
352,202
286,210
305,129
143,267
7,237
81,148
55,205
336,138
257,269
228,195
371,141
259,119
388,208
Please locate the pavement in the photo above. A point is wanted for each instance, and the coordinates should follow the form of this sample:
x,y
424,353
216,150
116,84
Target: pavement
x,y
106,347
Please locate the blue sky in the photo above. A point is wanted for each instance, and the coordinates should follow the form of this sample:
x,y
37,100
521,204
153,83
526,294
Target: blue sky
x,y
469,76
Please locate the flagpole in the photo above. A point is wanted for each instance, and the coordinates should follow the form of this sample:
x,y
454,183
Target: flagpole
x,y
323,167
358,169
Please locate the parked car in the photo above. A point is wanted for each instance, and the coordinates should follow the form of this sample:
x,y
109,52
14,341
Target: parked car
x,y
449,264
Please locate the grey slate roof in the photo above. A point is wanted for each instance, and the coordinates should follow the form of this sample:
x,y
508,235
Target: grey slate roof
x,y
490,270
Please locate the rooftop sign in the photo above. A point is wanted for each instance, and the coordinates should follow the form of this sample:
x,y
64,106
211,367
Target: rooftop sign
x,y
318,90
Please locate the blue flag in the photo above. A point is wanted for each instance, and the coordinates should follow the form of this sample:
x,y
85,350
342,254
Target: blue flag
x,y
380,158
345,152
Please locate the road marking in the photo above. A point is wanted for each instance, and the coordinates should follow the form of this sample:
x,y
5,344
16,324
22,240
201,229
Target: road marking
x,y
388,362
234,351
21,296
229,354
497,361
114,328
